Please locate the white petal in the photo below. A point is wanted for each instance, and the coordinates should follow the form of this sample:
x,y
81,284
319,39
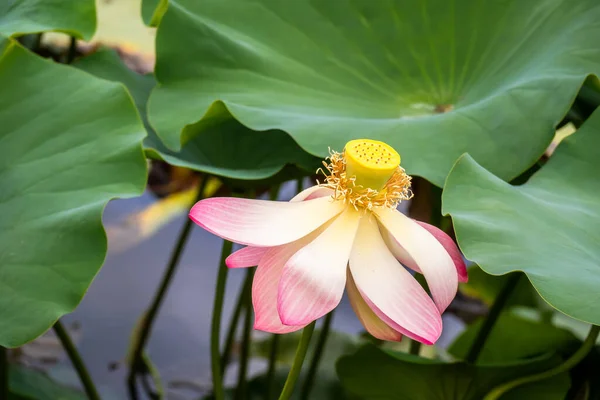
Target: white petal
x,y
431,257
313,192
398,251
372,323
389,289
314,278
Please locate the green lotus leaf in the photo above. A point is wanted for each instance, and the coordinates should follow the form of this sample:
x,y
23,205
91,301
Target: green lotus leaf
x,y
373,373
29,384
77,18
223,146
432,78
548,228
514,338
70,142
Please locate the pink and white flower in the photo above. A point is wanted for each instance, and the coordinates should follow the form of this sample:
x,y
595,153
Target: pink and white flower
x,y
343,233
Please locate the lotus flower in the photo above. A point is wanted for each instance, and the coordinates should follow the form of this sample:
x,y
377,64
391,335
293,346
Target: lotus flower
x,y
344,232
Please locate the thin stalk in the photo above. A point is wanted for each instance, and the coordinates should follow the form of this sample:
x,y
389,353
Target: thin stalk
x,y
3,373
569,363
84,375
314,363
290,382
235,318
246,340
299,185
492,317
151,314
274,192
272,366
415,347
215,330
37,42
72,52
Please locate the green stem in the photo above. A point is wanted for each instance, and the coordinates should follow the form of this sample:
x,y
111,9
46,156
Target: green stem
x,y
272,366
492,317
151,314
299,185
215,330
72,52
314,364
77,362
4,384
274,192
569,363
246,339
290,382
235,318
415,347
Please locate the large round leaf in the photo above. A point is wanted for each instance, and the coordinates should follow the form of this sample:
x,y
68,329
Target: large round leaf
x,y
549,227
69,143
433,78
222,146
513,338
77,18
29,384
373,373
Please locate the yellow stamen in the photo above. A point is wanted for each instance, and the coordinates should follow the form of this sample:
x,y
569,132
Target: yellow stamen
x,y
367,175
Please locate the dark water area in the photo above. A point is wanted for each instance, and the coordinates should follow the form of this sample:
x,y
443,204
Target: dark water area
x,y
179,344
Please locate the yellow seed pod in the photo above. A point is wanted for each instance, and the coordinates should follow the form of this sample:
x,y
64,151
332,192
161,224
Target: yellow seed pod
x,y
372,162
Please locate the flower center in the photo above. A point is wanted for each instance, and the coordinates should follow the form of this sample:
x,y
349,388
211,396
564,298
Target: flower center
x,y
367,175
372,162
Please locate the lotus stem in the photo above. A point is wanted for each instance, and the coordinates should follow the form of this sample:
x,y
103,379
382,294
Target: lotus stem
x,y
246,337
75,357
569,363
317,355
150,316
492,317
215,331
272,367
290,382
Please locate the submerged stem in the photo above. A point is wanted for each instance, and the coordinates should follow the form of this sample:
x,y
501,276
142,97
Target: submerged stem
x,y
272,366
151,314
415,347
569,363
314,364
290,382
84,375
492,317
235,318
246,338
215,354
4,373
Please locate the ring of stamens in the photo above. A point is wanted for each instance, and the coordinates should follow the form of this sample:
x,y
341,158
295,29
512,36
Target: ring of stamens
x,y
345,189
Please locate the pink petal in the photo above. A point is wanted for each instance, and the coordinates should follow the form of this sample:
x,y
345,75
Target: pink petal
x,y
432,258
263,223
389,289
372,323
314,278
246,257
451,248
265,285
312,192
